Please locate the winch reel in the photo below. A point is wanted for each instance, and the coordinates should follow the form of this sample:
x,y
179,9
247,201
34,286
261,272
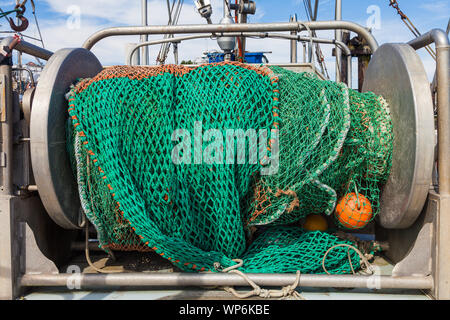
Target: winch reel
x,y
395,72
50,161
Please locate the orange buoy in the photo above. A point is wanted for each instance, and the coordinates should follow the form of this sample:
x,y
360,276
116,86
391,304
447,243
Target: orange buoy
x,y
315,222
354,211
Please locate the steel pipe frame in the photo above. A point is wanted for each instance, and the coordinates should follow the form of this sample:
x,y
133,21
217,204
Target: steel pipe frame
x,y
440,39
28,48
339,44
291,37
294,44
97,281
161,41
244,34
6,123
338,37
30,73
219,29
242,19
144,38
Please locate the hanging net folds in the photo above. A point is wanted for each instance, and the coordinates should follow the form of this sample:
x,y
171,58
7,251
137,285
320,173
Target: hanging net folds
x,y
222,161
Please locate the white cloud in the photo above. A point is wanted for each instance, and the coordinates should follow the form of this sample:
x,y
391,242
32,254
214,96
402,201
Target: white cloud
x,y
437,7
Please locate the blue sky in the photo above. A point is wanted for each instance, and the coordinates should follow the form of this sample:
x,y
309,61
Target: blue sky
x,y
96,14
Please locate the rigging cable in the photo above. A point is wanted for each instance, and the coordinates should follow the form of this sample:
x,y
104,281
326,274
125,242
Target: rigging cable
x,y
38,29
410,25
174,16
312,16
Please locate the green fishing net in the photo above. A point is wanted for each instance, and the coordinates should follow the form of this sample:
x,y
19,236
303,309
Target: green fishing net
x,y
222,161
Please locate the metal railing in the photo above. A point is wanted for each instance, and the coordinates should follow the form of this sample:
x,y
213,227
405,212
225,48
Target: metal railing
x,y
440,39
222,29
261,35
95,281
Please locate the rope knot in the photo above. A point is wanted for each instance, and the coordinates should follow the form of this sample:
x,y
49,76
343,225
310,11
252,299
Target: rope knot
x,y
288,291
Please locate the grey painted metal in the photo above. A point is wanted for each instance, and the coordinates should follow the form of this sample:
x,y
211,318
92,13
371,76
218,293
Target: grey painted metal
x,y
50,161
223,279
7,123
397,73
30,242
412,249
440,38
220,29
338,36
28,48
9,257
144,37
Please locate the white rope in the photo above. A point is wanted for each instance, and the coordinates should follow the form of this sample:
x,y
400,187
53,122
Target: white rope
x,y
364,260
285,292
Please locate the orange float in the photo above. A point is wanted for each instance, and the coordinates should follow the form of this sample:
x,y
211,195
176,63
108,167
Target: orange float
x,y
315,222
354,211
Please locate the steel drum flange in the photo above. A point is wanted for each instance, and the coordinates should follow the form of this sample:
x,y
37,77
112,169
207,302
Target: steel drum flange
x,y
397,73
51,163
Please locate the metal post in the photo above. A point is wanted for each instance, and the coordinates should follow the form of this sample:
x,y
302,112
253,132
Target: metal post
x,y
7,258
6,119
294,44
338,36
304,52
440,38
144,37
242,19
349,71
133,56
175,52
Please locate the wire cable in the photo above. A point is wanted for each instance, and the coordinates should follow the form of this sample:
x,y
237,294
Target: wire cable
x,y
394,4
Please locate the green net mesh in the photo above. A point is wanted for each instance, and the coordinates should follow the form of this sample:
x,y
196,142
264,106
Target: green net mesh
x,y
316,142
